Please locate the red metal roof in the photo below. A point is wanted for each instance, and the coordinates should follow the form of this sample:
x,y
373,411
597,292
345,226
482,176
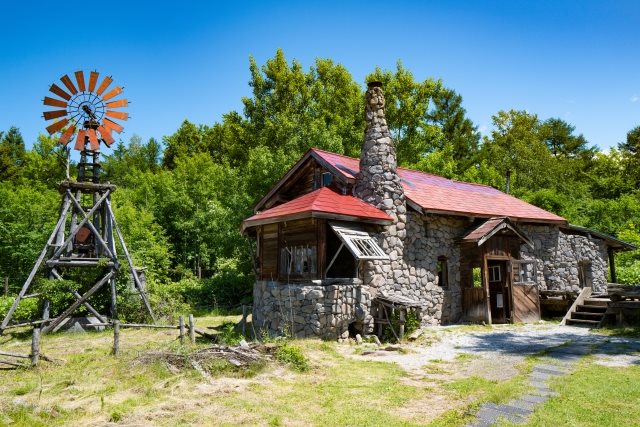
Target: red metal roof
x,y
320,203
441,195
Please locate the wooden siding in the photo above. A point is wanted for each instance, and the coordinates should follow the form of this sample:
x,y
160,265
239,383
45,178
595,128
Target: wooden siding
x,y
474,304
269,252
526,303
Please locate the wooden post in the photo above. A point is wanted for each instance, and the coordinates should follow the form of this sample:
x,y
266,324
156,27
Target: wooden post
x,y
182,331
116,338
612,267
244,320
35,346
402,321
192,330
6,286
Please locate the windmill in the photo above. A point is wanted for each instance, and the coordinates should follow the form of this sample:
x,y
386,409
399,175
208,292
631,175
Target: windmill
x,y
84,236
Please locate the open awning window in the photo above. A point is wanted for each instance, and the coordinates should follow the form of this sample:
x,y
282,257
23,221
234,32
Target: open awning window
x,y
359,242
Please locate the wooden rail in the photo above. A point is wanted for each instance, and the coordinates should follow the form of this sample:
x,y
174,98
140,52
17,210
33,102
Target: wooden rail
x,y
584,294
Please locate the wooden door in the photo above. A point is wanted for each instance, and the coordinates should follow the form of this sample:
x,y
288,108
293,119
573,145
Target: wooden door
x,y
499,298
526,299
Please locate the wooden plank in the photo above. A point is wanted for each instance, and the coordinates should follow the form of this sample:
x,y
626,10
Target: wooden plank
x,y
526,303
584,294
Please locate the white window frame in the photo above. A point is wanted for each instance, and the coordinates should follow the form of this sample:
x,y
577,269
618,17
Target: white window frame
x,y
360,243
492,272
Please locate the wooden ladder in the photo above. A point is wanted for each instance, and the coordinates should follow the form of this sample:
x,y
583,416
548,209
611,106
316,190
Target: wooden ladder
x,y
586,311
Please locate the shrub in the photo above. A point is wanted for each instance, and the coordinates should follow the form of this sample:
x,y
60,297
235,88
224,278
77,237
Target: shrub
x,y
292,355
28,309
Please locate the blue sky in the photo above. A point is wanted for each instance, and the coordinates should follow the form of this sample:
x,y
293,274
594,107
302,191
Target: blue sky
x,y
576,60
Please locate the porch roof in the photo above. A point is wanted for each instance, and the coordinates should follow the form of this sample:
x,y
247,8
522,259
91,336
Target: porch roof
x,y
321,203
489,228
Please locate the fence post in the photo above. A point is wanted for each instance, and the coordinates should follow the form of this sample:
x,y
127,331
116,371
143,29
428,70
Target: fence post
x,y
116,338
35,346
6,286
192,329
181,322
244,320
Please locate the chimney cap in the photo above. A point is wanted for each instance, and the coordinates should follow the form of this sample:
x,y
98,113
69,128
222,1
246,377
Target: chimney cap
x,y
373,84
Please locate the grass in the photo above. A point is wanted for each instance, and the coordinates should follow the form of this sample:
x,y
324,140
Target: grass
x,y
592,397
312,382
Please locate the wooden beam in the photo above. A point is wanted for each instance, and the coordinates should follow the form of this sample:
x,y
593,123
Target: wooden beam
x,y
95,207
91,226
58,320
61,220
136,279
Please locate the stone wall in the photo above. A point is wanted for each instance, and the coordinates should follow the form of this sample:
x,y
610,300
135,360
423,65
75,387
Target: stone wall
x,y
558,255
316,308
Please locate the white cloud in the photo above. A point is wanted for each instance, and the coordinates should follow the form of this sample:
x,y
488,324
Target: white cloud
x,y
635,98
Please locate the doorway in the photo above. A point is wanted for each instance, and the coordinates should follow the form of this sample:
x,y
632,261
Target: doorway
x,y
499,296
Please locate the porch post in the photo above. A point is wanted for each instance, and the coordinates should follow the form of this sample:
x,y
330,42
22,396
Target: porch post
x,y
612,266
485,279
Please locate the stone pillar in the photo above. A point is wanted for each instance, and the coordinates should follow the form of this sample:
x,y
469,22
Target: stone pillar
x,y
378,184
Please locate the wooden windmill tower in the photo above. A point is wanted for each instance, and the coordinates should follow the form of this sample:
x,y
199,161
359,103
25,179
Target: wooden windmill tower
x,y
85,235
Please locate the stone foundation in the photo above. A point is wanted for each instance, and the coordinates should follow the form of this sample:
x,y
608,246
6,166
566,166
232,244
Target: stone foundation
x,y
317,308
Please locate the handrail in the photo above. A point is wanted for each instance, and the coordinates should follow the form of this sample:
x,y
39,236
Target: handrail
x,y
584,294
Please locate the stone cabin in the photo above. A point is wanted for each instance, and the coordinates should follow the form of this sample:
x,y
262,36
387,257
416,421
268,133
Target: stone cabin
x,y
339,239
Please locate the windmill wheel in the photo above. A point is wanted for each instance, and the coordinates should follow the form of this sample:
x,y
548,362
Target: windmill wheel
x,y
86,110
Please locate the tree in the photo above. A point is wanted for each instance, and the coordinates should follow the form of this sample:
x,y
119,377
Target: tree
x,y
630,151
516,147
559,137
425,117
11,153
185,142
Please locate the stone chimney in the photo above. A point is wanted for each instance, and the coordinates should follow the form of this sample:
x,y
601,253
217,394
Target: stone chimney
x,y
378,184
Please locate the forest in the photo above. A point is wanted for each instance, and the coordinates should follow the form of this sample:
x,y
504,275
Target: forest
x,y
180,200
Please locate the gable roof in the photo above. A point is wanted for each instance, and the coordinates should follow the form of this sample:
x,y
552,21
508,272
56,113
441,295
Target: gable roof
x,y
430,193
489,228
321,203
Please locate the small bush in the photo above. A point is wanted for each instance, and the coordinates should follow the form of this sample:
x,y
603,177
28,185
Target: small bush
x,y
292,355
411,323
28,309
229,335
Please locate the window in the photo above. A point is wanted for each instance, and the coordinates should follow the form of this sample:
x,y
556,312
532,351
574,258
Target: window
x,y
477,277
359,242
298,260
443,272
524,271
494,273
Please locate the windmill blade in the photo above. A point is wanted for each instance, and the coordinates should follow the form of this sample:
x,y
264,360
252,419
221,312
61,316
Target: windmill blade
x,y
60,92
54,102
113,92
80,80
105,134
117,115
69,84
104,85
66,136
57,126
48,115
117,104
80,140
112,125
93,139
93,79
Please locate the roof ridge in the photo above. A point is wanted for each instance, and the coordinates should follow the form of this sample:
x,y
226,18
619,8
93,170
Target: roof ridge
x,y
410,169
